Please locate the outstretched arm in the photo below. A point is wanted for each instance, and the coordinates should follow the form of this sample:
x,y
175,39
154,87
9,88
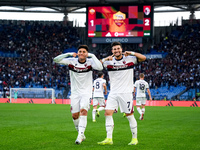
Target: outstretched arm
x,y
138,55
97,64
58,59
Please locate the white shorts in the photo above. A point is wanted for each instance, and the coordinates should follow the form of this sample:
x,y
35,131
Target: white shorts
x,y
99,100
79,102
122,100
140,100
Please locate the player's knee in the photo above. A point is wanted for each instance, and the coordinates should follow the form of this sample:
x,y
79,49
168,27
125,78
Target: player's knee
x,y
83,112
75,116
95,107
109,112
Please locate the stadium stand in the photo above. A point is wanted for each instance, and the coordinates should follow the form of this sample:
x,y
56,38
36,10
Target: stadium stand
x,y
181,66
35,45
178,70
27,49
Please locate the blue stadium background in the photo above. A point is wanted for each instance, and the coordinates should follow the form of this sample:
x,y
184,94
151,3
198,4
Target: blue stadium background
x,y
27,49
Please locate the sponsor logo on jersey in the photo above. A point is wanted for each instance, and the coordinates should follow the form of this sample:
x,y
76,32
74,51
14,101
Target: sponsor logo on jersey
x,y
78,69
120,67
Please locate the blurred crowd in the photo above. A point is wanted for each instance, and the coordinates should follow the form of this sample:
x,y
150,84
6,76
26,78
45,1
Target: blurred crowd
x,y
182,64
181,67
37,44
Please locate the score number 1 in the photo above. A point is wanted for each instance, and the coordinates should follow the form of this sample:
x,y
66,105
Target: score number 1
x,y
92,22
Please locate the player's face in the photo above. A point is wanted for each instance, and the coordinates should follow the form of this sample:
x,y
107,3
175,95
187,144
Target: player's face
x,y
82,54
117,50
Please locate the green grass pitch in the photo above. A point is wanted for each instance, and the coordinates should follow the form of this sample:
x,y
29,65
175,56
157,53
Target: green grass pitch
x,y
50,127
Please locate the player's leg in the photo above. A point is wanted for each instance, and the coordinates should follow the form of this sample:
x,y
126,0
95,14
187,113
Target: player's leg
x,y
84,106
75,117
95,103
111,105
139,109
102,104
75,109
109,128
109,123
82,126
101,108
94,113
138,104
133,127
143,102
126,105
15,98
143,111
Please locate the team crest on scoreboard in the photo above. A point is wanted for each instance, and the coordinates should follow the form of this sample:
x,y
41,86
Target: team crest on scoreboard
x,y
147,10
92,11
119,18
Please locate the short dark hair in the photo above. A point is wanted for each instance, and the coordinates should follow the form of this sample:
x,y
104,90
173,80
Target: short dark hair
x,y
83,46
116,43
100,74
141,75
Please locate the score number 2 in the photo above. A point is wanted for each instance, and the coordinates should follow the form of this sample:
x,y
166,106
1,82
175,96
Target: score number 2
x,y
147,22
92,22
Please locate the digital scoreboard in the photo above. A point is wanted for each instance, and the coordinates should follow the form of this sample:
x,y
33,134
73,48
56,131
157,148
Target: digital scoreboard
x,y
120,21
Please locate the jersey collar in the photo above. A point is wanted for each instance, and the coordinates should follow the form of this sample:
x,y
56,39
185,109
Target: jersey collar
x,y
81,62
119,59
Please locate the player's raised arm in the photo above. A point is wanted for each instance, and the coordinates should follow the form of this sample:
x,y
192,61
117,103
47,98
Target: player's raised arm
x,y
97,64
59,59
138,55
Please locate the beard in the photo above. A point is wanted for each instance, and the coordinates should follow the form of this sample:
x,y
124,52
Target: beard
x,y
118,55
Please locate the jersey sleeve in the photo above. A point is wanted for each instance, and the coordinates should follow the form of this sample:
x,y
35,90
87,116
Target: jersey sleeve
x,y
147,86
134,59
104,81
65,61
135,85
61,59
96,64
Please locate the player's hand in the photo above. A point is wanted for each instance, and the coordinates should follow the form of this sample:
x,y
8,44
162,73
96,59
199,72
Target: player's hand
x,y
150,99
109,58
126,53
74,55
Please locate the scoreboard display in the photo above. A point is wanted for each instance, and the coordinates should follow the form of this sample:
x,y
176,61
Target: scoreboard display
x,y
120,21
